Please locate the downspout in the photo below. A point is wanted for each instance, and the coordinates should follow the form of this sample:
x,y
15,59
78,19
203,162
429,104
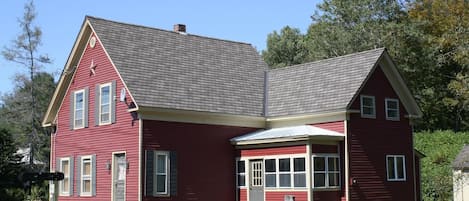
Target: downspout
x,y
309,171
140,136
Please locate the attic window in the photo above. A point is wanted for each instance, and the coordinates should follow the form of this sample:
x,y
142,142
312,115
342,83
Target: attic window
x,y
92,42
367,106
392,109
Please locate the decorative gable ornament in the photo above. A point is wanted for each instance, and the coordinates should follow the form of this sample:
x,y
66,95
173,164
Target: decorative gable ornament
x,y
93,67
92,42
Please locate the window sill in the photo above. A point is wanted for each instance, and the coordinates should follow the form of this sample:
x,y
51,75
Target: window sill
x,y
397,180
368,116
327,189
392,119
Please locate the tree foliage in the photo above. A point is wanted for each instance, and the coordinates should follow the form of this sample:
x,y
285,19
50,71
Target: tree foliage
x,y
10,168
440,148
427,38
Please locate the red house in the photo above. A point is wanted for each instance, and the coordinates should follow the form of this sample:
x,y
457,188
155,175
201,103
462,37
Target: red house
x,y
147,114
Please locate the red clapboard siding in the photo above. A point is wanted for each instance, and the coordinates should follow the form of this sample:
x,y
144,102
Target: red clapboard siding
x,y
280,196
320,148
243,195
99,140
300,149
337,126
205,158
370,140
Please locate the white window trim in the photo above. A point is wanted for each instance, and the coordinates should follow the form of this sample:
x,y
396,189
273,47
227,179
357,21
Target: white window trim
x,y
372,116
91,176
155,186
395,167
277,171
61,192
395,109
326,171
82,91
109,103
238,174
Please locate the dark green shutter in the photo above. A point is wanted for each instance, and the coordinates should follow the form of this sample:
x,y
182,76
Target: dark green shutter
x,y
78,175
173,173
149,171
96,105
85,106
113,102
72,102
93,175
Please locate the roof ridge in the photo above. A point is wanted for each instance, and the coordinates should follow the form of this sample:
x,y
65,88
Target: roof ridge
x,y
164,30
381,49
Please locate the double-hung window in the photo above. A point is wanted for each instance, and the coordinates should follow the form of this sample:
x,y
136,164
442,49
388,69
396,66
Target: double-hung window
x,y
392,109
105,104
241,173
270,173
86,175
162,169
66,167
395,167
299,172
326,171
367,106
78,110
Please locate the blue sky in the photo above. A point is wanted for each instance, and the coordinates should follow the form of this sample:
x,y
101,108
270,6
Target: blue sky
x,y
247,21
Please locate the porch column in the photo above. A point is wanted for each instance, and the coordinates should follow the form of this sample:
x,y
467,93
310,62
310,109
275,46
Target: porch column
x,y
309,171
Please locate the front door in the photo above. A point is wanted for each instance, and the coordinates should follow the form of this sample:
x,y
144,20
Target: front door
x,y
256,186
119,173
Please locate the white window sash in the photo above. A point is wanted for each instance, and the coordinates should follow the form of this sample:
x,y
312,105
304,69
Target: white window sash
x,y
66,176
105,103
166,173
388,109
76,109
326,170
86,177
395,168
363,106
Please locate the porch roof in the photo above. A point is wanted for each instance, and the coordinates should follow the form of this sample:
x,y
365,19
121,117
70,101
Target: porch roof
x,y
285,134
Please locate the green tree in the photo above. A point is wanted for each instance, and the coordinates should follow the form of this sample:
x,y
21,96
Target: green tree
x,y
10,168
285,49
24,51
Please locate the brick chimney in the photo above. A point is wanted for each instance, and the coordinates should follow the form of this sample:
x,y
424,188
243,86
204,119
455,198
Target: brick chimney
x,y
180,28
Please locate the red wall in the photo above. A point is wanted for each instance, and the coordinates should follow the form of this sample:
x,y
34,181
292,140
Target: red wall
x,y
298,149
99,140
337,126
280,196
370,140
206,159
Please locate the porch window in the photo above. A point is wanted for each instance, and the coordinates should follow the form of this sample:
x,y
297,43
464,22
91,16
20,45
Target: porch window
x,y
367,106
395,167
87,175
65,165
270,173
326,171
392,109
241,173
299,172
284,172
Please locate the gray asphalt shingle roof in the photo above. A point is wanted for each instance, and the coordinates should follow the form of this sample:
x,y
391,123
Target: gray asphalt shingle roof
x,y
462,159
319,86
166,69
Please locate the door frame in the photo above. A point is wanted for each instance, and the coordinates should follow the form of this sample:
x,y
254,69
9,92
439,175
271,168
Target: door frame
x,y
113,173
249,183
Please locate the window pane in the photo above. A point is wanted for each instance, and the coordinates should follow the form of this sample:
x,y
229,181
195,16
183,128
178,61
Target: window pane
x,y
319,164
79,100
241,180
284,165
392,104
333,164
105,118
319,180
270,165
105,108
65,168
160,183
391,174
78,114
86,186
299,164
65,185
333,179
368,110
285,180
400,167
270,180
367,101
299,180
86,167
392,113
161,164
241,167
